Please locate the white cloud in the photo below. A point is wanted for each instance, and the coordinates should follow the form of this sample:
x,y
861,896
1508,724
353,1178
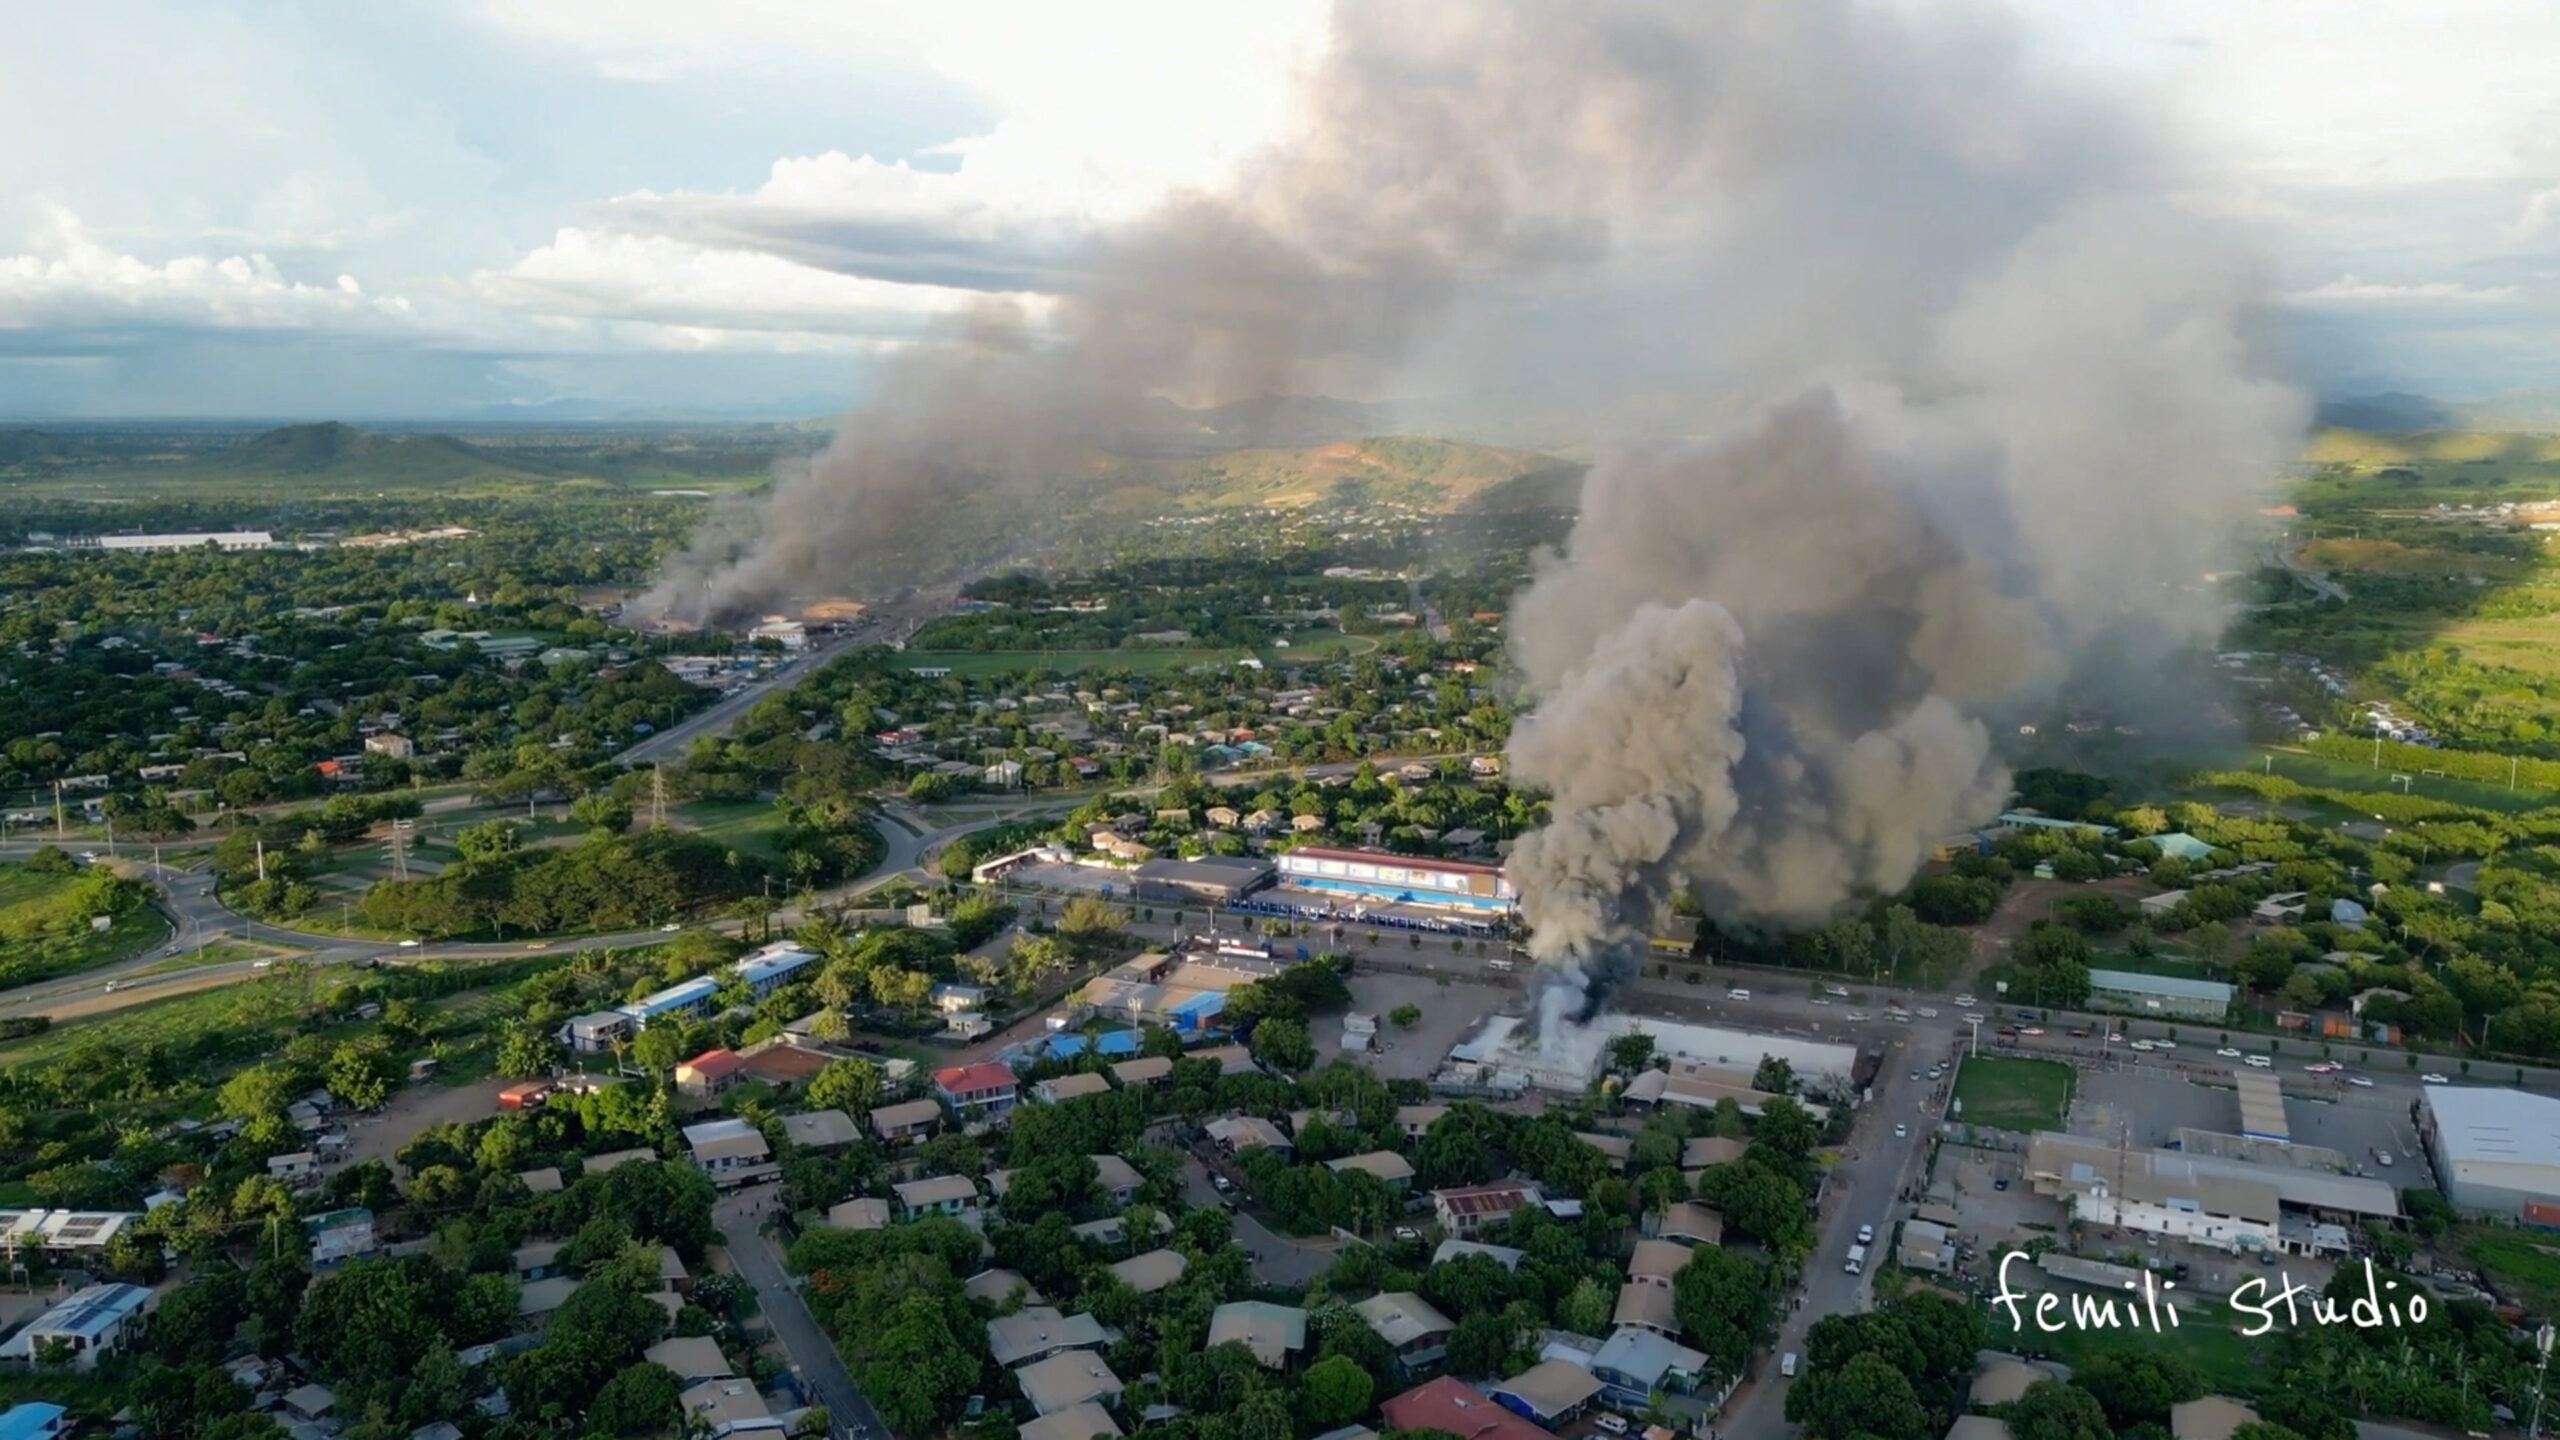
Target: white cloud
x,y
71,281
658,280
2350,291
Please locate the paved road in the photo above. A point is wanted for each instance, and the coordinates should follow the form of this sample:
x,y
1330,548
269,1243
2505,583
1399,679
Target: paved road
x,y
2282,555
1277,1259
676,739
813,1353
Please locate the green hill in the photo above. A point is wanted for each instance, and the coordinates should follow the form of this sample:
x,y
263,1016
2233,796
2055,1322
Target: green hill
x,y
342,452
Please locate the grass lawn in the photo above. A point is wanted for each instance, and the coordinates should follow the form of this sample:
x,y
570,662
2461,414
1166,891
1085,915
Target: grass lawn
x,y
2012,1093
747,826
2320,770
39,940
254,1005
2524,1264
2228,1364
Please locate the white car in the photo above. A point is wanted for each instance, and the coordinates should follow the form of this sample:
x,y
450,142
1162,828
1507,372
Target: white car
x,y
2145,1045
1407,1232
2359,1080
1866,1234
1928,1012
2164,1044
669,928
1899,1131
1842,991
2434,1080
1818,1000
2228,1052
409,944
1737,994
1966,1002
1857,1016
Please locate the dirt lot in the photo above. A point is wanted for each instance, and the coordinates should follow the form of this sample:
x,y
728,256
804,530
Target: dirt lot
x,y
1449,1009
413,1109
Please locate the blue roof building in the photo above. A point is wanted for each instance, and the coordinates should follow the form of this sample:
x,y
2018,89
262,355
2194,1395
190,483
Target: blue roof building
x,y
1196,1014
89,1323
1067,1047
773,966
32,1420
2183,846
693,997
1117,1043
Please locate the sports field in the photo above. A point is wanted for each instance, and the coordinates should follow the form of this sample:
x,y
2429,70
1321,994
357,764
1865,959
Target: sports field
x,y
2011,1093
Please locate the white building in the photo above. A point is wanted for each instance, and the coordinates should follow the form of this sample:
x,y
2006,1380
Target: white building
x,y
2495,1150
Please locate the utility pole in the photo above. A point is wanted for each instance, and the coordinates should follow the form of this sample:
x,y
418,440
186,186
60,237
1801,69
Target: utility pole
x,y
60,830
261,843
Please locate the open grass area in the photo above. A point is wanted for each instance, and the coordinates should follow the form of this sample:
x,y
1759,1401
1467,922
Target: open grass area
x,y
2228,1364
2523,1265
747,826
2342,775
256,1004
45,927
2012,1093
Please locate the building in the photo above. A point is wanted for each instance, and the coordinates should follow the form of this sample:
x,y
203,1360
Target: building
x,y
2261,1105
1502,1255
1417,1333
537,1259
1075,1086
1230,1059
1076,1422
1450,1404
731,1152
1686,1222
1211,879
1037,1332
936,1195
1152,1271
1147,1070
398,747
2179,845
339,1236
63,1234
2003,1380
2171,997
524,1095
1272,1332
1551,1392
998,1288
820,1130
693,1358
773,967
188,540
1469,1209
861,1213
1387,1165
1645,1305
1656,1262
1633,1366
612,1160
908,1123
596,1033
984,1089
1067,1379
691,1000
2214,1417
1979,1427
1239,1133
2237,1205
34,1420
709,1073
80,1327
1926,1247
717,1408
1417,1120
2495,1150
1373,876
1118,1178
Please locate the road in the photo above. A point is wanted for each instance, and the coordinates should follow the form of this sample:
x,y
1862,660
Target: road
x,y
1277,1259
676,739
1432,623
813,1352
2281,555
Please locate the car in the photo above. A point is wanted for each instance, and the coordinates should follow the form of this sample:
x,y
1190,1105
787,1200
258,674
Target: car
x,y
2433,1079
2001,1183
2078,1034
1840,990
1928,1012
2032,1030
1614,1424
1787,1365
1856,1016
264,962
1866,1234
1737,994
2322,1067
2382,1158
1915,1074
2115,1037
2144,1045
1818,1000
1975,1016
2229,1052
1407,1232
409,944
2164,1044
113,987
669,928
1966,1002
1222,1182
1901,1131
539,945
2360,1081
2009,1031
2257,1062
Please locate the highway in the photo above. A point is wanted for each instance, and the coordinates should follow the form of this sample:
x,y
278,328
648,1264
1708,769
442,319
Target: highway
x,y
672,742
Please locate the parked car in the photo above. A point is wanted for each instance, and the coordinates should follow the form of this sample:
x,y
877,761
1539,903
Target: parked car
x,y
2000,1183
2144,1045
1900,1131
2434,1079
2079,1034
1966,1002
2010,1031
1407,1232
2164,1044
1866,1234
1928,1012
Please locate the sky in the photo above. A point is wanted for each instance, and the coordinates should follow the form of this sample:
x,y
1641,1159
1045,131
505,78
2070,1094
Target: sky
x,y
633,209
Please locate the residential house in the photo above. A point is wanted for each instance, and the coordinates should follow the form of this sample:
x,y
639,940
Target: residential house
x,y
1149,1070
83,1325
543,1181
1613,1148
1701,1152
1272,1332
1502,1255
937,1195
339,1236
1067,1379
1075,1086
709,1073
1076,1422
613,1160
820,1130
1152,1271
1232,1059
1416,1119
985,1089
1239,1133
1416,1333
1646,1306
1451,1405
1656,1262
998,1288
693,1358
909,1123
1979,1427
1634,1365
1687,1222
1037,1332
309,1403
34,1420
2215,1417
1118,1178
1387,1165
1551,1392
732,1152
720,1408
1468,1209
868,1212
536,1302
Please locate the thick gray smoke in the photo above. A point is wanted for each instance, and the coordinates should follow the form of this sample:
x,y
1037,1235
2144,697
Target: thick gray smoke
x,y
1915,386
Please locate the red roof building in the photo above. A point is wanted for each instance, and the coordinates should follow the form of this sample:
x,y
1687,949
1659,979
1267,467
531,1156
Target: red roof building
x,y
1459,1408
1465,1211
710,1072
985,1087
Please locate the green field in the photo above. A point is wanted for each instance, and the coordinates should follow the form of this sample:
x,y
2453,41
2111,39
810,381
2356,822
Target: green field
x,y
747,826
44,927
2331,774
256,1004
2228,1364
2524,1265
2012,1093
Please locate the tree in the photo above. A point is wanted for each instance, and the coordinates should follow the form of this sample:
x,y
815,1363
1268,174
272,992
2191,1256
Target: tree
x,y
641,1399
661,1046
1722,1297
1283,1045
1481,1345
851,1085
1585,1309
257,1092
526,1051
361,1074
2052,1410
1631,1052
1865,1397
2137,1388
1090,919
1785,1131
1774,1076
2210,944
1334,1392
1405,1017
486,843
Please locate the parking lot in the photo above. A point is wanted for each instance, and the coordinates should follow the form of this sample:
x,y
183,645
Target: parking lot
x,y
2357,1124
2146,1106
1449,1009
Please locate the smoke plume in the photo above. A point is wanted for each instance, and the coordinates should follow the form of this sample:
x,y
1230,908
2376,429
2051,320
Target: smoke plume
x,y
1914,383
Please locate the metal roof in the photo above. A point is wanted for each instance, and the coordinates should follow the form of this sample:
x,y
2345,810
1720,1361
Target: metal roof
x,y
2494,1127
2132,983
2261,1104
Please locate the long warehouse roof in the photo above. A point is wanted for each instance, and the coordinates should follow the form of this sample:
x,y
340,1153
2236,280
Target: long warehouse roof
x,y
2261,1105
2501,1127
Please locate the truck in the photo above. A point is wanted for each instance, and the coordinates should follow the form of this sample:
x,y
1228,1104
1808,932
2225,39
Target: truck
x,y
1857,1260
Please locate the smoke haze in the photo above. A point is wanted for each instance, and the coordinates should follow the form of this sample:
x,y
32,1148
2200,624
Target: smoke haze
x,y
1914,386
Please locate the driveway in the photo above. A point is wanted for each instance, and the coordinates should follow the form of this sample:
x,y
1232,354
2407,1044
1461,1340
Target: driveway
x,y
813,1354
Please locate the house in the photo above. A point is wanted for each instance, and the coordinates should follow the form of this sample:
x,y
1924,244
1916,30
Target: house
x,y
1076,1422
309,1402
1634,1365
998,1288
867,1212
1071,1087
1232,1059
293,1169
85,1324
1413,1330
34,1420
340,1235
1223,816
937,1195
2156,908
693,1358
1551,1392
1114,1230
708,1073
2281,909
718,1408
1037,1332
731,1152
1613,1148
2001,1380
672,1275
1118,1178
983,1089
544,1181
1468,1209
820,1130
906,1124
1152,1271
1702,1152
1926,1247
2215,1417
1689,1223
612,1160
1656,1262
1067,1379
536,1302
1387,1165
1150,1070
1978,1427
1272,1332
953,998
1416,1119
595,1033
1644,1305
1451,1405
1502,1255
1239,1133
398,747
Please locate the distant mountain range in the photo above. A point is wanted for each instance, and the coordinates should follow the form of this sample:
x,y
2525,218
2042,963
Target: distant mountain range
x,y
2398,412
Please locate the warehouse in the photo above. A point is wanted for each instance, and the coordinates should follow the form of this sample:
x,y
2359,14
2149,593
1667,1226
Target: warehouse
x,y
2233,1204
2163,996
1215,879
2495,1150
1398,879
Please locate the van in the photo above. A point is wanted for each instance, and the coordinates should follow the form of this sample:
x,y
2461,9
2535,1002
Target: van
x,y
1857,1260
1787,1365
1614,1424
2258,1062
